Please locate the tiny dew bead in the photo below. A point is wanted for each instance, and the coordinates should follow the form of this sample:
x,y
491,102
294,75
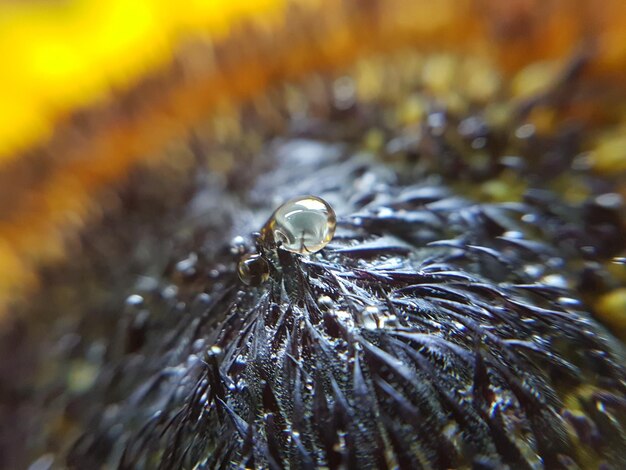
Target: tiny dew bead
x,y
253,269
304,224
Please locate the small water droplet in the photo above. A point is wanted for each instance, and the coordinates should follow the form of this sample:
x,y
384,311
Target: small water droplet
x,y
479,143
192,360
525,131
529,218
471,126
513,161
437,122
344,92
610,200
238,245
588,250
203,298
555,280
134,300
533,270
187,266
555,262
515,234
169,292
568,302
198,345
253,269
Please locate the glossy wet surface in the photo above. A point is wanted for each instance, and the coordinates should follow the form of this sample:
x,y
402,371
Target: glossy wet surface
x,y
451,320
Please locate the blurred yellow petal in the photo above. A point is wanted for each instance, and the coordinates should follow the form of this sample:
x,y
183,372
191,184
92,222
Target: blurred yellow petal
x,y
63,55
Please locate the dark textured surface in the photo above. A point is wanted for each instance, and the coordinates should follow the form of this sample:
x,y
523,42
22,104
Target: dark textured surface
x,y
432,332
435,330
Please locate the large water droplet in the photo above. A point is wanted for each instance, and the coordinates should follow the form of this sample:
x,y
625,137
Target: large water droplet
x,y
301,225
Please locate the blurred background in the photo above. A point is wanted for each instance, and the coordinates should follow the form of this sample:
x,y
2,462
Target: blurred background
x,y
88,88
91,93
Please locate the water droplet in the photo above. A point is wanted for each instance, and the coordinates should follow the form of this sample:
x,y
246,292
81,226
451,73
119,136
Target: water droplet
x,y
471,127
610,200
203,298
238,245
555,262
134,300
555,280
187,266
515,234
437,122
253,270
198,345
169,292
214,350
525,131
302,225
513,162
193,360
588,250
344,92
568,302
479,143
